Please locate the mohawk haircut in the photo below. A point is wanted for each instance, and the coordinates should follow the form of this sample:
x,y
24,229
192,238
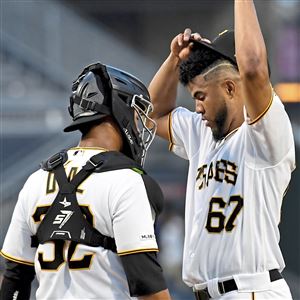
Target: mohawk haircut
x,y
200,60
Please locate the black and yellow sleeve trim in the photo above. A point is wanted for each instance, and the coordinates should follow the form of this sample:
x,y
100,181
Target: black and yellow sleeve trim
x,y
15,259
264,112
170,131
137,251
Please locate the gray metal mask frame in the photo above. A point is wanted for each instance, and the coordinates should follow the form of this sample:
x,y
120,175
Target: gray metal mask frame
x,y
143,108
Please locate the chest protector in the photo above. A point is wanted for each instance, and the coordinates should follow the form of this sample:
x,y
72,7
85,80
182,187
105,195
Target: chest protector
x,y
65,220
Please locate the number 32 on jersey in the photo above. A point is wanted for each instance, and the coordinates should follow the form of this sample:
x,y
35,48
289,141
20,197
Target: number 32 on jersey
x,y
60,246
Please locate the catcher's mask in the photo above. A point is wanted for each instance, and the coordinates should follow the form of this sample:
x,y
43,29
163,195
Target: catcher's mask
x,y
101,91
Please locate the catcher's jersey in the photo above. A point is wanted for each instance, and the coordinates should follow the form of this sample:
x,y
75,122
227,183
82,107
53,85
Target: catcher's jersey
x,y
234,192
115,201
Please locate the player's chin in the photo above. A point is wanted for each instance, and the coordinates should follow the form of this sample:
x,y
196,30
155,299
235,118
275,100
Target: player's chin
x,y
217,133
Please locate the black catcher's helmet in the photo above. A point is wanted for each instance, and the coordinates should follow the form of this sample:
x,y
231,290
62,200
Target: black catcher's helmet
x,y
101,91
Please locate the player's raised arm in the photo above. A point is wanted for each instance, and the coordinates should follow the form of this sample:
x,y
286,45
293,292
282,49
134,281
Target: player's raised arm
x,y
251,57
163,87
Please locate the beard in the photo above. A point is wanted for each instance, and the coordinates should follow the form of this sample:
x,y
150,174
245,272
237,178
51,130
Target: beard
x,y
218,130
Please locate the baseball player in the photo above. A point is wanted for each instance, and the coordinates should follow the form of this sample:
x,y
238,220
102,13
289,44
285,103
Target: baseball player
x,y
84,222
240,148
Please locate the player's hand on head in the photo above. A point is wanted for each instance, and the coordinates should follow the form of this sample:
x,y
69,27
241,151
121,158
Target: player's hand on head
x,y
182,43
197,37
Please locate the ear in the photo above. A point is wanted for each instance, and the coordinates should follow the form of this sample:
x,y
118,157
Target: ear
x,y
230,87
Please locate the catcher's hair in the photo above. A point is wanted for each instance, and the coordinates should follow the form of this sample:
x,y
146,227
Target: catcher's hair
x,y
202,61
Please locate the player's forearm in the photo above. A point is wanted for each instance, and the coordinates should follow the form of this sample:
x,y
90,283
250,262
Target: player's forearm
x,y
249,43
11,289
16,282
252,59
163,87
162,295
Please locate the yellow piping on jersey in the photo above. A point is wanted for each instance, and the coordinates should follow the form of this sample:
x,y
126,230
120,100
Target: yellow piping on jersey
x,y
137,251
231,133
170,131
89,148
264,112
67,162
15,259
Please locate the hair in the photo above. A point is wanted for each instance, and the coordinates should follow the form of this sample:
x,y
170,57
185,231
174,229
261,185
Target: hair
x,y
203,61
218,68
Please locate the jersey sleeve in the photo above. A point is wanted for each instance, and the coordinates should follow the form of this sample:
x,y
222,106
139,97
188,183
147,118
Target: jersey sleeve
x,y
270,137
133,217
144,274
17,243
184,132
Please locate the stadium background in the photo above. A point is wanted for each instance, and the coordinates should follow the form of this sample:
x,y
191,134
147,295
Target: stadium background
x,y
44,44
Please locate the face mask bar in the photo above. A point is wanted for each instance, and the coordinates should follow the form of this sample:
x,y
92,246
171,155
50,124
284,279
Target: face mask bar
x,y
145,125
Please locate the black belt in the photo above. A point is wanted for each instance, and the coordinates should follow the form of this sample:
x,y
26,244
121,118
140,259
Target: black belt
x,y
230,285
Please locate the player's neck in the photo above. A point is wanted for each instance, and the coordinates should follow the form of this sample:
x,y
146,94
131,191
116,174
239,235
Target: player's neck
x,y
236,123
105,135
237,116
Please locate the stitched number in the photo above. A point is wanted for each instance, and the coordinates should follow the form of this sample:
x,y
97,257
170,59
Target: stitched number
x,y
216,220
238,206
83,262
78,264
57,261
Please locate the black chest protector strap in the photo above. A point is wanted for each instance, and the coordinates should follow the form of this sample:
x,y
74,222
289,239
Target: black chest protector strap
x,y
65,220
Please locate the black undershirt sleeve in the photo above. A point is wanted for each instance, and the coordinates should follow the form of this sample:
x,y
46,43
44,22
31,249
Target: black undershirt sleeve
x,y
16,282
144,273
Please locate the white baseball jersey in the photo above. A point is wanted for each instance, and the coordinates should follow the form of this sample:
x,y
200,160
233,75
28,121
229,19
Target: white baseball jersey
x,y
115,201
234,192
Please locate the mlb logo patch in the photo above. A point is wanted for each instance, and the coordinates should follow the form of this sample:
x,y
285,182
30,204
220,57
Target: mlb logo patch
x,y
146,237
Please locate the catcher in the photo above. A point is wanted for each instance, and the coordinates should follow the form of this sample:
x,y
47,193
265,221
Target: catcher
x,y
84,222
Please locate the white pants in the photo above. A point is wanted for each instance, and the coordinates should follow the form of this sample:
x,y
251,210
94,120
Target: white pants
x,y
278,290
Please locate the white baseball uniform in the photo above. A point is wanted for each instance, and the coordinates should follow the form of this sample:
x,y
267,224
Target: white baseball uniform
x,y
233,200
118,204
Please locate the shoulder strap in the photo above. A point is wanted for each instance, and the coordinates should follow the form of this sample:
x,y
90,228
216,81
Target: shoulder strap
x,y
114,160
117,160
64,219
154,194
55,160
